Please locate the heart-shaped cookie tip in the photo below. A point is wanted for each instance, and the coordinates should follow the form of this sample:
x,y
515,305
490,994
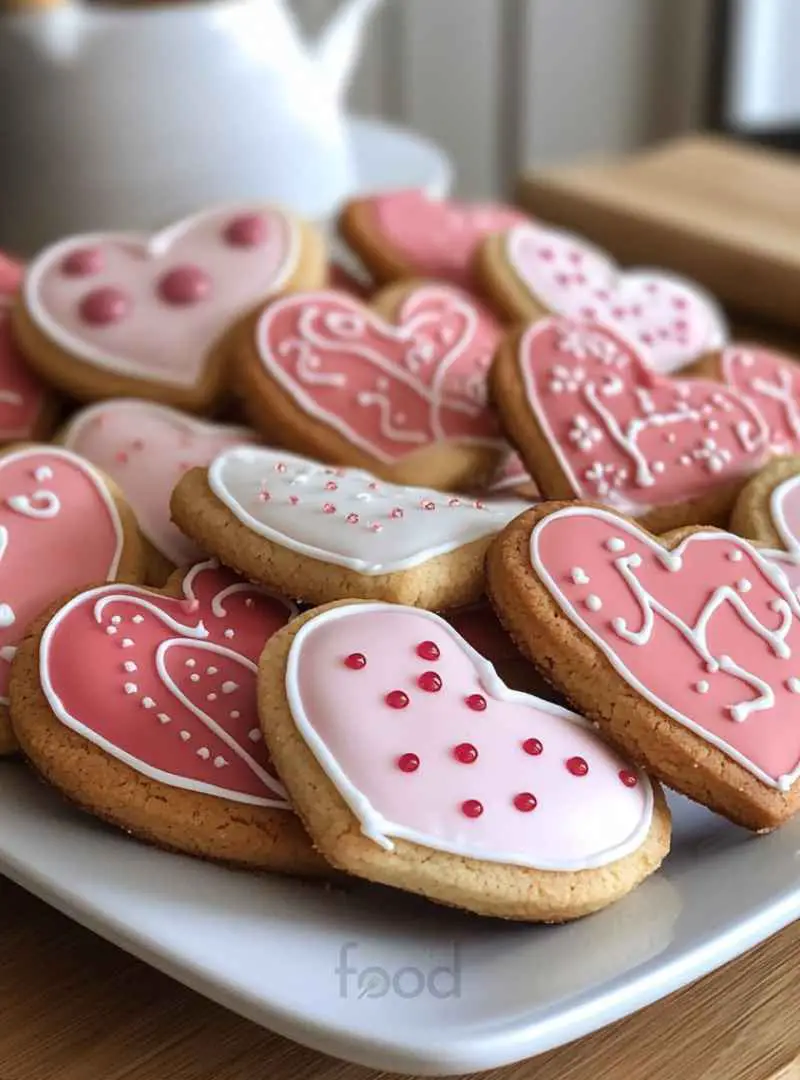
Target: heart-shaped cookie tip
x,y
771,383
425,743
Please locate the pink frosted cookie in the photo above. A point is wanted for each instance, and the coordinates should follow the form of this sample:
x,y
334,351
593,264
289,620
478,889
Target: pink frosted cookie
x,y
413,765
592,421
140,706
408,234
320,533
63,526
399,387
118,314
146,449
683,649
27,407
533,271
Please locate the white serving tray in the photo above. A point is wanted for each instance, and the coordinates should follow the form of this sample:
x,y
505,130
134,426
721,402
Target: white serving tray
x,y
270,948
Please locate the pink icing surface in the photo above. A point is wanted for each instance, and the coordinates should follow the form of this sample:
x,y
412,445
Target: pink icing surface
x,y
771,382
146,449
150,336
126,668
390,389
359,739
438,237
626,435
709,633
10,274
22,395
672,320
59,531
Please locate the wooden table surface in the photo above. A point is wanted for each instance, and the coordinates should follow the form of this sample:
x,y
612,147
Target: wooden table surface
x,y
76,1008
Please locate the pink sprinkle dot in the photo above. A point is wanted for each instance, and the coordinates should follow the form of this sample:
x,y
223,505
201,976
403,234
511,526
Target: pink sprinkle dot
x,y
294,499
430,682
629,779
138,444
264,496
372,485
525,802
376,526
472,808
356,661
646,338
396,512
101,307
428,650
454,502
465,753
83,262
408,763
546,254
397,699
184,285
578,766
680,303
280,466
428,504
479,505
122,457
476,702
532,747
588,313
331,485
328,508
352,519
248,230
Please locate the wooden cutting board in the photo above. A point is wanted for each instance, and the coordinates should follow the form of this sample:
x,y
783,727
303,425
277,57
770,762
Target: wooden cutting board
x,y
722,212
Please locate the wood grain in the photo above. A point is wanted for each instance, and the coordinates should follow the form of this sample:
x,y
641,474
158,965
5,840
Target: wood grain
x,y
76,1008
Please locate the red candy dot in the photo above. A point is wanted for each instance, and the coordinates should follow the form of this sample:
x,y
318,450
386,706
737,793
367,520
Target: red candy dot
x,y
532,747
465,753
184,285
578,766
83,262
629,779
408,763
246,231
471,808
429,681
101,307
428,650
397,699
476,702
525,802
356,661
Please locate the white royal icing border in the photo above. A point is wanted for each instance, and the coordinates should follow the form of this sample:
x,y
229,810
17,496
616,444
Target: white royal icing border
x,y
378,828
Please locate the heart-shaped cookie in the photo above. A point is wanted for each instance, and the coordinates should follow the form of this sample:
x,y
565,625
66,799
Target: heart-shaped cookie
x,y
593,421
402,234
686,651
108,314
319,533
400,388
421,753
146,448
533,271
27,408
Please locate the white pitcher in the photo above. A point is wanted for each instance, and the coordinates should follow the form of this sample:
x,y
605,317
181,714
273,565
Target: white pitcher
x,y
133,116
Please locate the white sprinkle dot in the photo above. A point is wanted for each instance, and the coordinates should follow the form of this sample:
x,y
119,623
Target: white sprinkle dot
x,y
616,543
229,633
793,685
593,603
204,753
138,619
249,602
658,467
164,719
579,576
635,560
185,735
148,703
743,585
116,619
191,663
129,665
127,643
229,686
211,697
130,688
219,761
44,472
211,670
194,678
712,666
254,735
701,687
735,555
111,629
235,714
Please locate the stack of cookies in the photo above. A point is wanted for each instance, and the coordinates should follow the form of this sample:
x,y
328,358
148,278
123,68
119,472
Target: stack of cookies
x,y
317,571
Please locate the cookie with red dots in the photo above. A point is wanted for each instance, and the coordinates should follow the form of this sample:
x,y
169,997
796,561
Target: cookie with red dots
x,y
531,271
124,315
319,533
413,765
146,448
409,234
592,420
139,705
398,386
684,649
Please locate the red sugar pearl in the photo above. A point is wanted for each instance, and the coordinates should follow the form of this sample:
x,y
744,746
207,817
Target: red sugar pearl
x,y
525,802
532,747
356,661
397,699
428,650
476,702
246,231
629,779
408,763
83,262
101,307
465,753
471,808
184,285
578,766
429,681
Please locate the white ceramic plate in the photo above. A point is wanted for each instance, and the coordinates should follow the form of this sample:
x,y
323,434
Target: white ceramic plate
x,y
269,949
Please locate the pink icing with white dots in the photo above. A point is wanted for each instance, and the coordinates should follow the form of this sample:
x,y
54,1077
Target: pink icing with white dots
x,y
625,435
168,685
424,742
146,449
771,382
153,307
672,320
22,395
709,632
438,237
390,388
